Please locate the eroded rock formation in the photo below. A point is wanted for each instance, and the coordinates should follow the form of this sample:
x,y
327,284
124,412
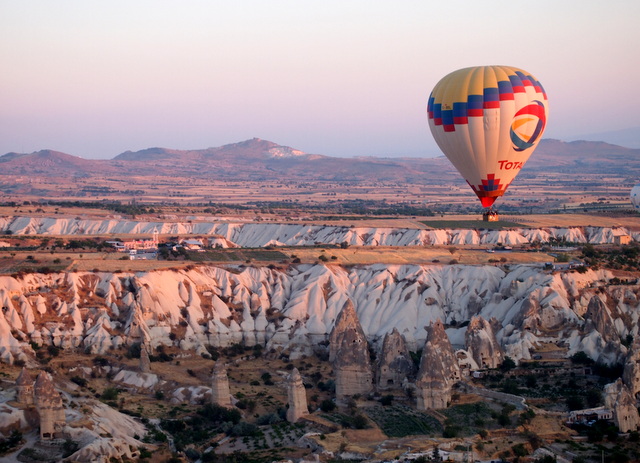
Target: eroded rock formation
x,y
438,370
293,309
220,394
145,362
297,397
49,406
599,317
395,365
631,375
618,398
24,388
481,343
349,354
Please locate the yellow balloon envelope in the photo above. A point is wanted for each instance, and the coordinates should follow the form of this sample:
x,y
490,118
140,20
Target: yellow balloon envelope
x,y
488,120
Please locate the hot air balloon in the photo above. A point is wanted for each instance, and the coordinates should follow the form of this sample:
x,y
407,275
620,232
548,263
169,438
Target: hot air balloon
x,y
488,120
635,197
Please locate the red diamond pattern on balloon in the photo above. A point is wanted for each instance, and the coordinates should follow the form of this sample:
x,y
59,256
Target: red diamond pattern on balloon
x,y
491,183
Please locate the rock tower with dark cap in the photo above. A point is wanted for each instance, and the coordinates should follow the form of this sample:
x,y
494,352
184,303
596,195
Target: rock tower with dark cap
x,y
24,387
297,395
220,394
49,407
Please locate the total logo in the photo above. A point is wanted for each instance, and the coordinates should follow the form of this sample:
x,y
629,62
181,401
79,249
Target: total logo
x,y
527,126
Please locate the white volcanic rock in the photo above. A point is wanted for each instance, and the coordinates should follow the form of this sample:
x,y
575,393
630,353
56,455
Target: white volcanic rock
x,y
296,308
104,421
191,394
225,234
136,379
10,347
599,318
13,418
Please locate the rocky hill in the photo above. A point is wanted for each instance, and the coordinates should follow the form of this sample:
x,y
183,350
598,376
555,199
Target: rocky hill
x,y
256,158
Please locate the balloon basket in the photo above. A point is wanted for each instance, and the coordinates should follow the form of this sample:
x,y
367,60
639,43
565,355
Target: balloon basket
x,y
490,216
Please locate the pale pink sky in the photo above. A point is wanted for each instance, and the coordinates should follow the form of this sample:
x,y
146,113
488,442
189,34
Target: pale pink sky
x,y
341,78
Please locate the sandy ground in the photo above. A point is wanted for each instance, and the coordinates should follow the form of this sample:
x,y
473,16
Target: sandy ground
x,y
417,255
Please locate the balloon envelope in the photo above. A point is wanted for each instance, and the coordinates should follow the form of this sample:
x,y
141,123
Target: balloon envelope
x,y
488,120
635,197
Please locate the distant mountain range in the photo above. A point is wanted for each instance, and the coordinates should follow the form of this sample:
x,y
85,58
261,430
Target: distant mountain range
x,y
258,159
629,137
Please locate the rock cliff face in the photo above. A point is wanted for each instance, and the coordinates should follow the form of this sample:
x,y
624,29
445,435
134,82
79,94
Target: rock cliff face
x,y
297,395
395,365
438,370
481,343
349,354
599,318
620,401
631,375
295,308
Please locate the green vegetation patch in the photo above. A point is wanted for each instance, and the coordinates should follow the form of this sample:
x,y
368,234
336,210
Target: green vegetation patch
x,y
476,418
400,421
472,224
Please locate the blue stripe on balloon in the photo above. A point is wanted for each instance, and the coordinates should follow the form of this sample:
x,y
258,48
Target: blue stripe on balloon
x,y
447,117
505,87
491,94
459,109
475,101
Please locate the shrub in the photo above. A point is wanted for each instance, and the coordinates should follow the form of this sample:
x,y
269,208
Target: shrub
x,y
80,381
243,429
450,431
360,421
327,405
110,393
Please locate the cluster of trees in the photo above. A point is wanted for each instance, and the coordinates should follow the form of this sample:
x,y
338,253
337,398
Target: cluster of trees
x,y
618,258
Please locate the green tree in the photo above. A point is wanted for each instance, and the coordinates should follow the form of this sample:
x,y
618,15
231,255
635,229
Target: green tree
x,y
508,364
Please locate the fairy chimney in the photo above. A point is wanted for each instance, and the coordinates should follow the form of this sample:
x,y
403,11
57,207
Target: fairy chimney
x,y
49,407
618,398
481,343
145,363
631,375
395,364
438,370
349,353
24,387
297,395
220,394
